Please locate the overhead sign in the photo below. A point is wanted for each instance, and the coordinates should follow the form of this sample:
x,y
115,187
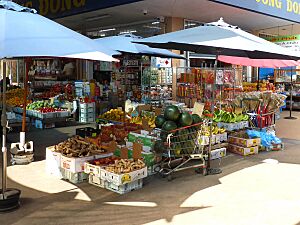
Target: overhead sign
x,y
158,62
60,8
284,9
288,41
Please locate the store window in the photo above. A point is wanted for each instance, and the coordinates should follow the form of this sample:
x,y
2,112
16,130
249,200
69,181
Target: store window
x,y
142,29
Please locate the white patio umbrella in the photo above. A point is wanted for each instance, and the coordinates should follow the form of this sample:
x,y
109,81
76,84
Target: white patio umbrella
x,y
24,33
124,43
220,38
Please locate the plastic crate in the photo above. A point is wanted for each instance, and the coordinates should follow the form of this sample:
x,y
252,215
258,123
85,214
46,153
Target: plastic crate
x,y
97,181
62,114
87,132
74,178
123,189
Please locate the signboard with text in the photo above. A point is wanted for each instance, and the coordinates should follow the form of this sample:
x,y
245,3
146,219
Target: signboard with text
x,y
60,8
284,9
288,41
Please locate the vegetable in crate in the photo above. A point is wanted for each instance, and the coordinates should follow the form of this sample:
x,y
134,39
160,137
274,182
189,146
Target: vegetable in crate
x,y
169,126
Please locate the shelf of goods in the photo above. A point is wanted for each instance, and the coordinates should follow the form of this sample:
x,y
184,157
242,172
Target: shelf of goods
x,y
156,85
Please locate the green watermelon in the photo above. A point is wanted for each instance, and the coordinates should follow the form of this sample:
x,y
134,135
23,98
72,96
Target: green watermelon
x,y
169,126
185,119
172,113
159,147
196,119
159,121
163,135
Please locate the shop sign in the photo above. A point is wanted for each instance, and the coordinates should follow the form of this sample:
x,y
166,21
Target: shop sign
x,y
158,62
288,41
128,62
105,66
60,8
284,9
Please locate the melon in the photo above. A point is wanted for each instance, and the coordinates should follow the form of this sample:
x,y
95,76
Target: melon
x,y
172,113
185,119
196,119
169,126
159,121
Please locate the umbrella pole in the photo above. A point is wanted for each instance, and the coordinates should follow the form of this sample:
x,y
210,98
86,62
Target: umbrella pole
x,y
291,100
3,124
22,134
212,171
9,198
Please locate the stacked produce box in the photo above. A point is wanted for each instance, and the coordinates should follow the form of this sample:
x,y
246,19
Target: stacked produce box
x,y
87,112
241,144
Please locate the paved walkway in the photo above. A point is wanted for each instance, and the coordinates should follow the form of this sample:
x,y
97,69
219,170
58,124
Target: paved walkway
x,y
260,190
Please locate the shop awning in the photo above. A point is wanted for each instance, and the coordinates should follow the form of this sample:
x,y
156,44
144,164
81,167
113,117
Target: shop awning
x,y
220,38
124,43
24,33
266,63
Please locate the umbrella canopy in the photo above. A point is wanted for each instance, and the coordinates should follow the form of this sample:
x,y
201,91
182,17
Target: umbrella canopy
x,y
24,33
220,38
267,63
124,43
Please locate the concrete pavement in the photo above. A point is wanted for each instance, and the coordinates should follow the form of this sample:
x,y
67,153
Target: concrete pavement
x,y
260,190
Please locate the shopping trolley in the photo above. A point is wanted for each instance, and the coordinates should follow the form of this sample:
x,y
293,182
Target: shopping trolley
x,y
182,146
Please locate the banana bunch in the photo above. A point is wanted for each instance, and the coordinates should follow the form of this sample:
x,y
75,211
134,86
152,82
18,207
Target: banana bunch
x,y
229,117
139,120
215,130
136,120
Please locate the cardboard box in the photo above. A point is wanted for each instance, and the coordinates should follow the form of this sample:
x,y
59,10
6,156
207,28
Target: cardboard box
x,y
218,153
94,169
53,161
145,148
146,140
244,142
74,165
244,151
121,179
125,188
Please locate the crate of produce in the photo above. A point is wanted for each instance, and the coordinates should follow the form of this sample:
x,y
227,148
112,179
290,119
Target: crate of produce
x,y
120,175
53,162
95,166
87,132
125,188
244,151
74,178
97,181
218,153
244,141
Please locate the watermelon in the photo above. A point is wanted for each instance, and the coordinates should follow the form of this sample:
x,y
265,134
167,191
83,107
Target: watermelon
x,y
159,147
185,119
169,125
159,121
196,119
172,113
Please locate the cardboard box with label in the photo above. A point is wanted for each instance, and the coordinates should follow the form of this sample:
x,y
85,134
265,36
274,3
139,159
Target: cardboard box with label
x,y
245,142
244,151
74,165
53,162
218,153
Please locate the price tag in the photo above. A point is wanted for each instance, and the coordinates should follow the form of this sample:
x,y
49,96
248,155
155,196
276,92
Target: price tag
x,y
198,108
137,150
124,153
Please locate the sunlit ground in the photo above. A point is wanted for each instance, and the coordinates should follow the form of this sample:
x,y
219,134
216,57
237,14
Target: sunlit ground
x,y
34,176
265,194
